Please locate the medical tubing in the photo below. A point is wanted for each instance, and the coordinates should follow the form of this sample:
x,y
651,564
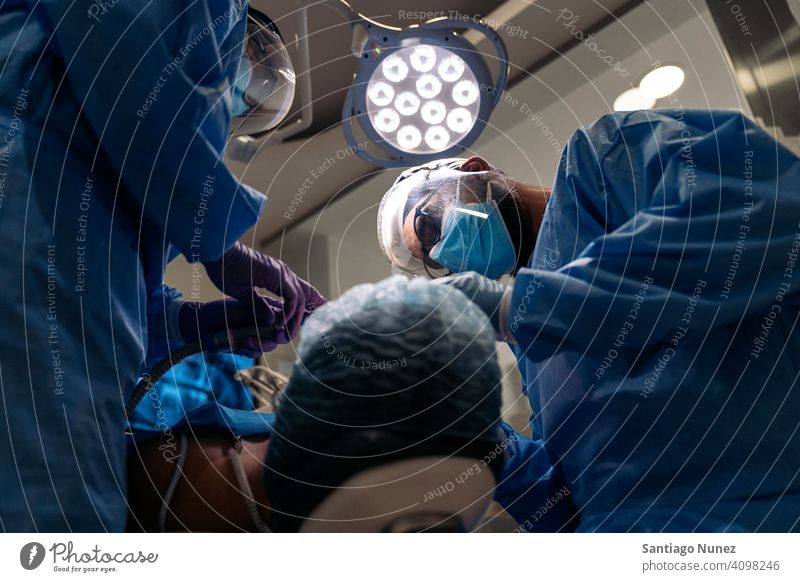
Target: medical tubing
x,y
148,380
234,455
173,484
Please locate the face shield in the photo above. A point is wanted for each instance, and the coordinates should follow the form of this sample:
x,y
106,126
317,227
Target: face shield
x,y
265,84
437,220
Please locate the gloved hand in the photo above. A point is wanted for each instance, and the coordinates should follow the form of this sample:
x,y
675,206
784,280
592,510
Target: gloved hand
x,y
203,320
242,269
485,293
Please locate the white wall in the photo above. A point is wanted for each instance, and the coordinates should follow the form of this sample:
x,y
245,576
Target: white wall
x,y
337,248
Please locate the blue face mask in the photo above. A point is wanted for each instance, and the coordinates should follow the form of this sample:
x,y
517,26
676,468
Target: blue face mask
x,y
475,238
238,104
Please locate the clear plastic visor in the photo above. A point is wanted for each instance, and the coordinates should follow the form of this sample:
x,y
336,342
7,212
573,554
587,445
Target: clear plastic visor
x,y
412,213
265,84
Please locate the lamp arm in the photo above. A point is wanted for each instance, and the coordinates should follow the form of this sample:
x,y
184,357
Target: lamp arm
x,y
339,6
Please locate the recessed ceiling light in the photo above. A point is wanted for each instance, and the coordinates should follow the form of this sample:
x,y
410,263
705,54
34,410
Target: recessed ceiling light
x,y
633,100
662,81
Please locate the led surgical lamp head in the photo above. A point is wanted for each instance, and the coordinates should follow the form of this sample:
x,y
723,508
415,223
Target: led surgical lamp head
x,y
420,93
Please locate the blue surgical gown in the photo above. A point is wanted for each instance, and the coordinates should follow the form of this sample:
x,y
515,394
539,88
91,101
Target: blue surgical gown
x,y
113,121
656,330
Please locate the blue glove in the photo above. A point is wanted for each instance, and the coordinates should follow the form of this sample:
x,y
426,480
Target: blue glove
x,y
201,321
242,269
484,292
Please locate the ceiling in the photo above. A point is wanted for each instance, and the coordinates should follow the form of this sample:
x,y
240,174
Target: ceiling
x,y
302,174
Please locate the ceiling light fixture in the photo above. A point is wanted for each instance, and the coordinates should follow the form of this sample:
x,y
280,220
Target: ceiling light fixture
x,y
658,83
419,93
662,81
443,90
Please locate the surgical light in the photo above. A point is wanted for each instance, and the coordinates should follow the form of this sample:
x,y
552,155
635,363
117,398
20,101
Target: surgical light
x,y
394,69
419,93
407,103
451,69
409,137
459,120
466,92
437,138
443,90
387,120
434,112
423,58
428,86
381,94
425,98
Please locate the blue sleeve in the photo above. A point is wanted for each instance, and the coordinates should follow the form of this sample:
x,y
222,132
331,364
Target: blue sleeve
x,y
153,80
531,490
163,335
694,222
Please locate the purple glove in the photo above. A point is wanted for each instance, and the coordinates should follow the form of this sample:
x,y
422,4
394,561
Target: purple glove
x,y
242,269
200,321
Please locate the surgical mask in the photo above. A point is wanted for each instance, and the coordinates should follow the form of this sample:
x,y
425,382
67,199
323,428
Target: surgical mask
x,y
475,238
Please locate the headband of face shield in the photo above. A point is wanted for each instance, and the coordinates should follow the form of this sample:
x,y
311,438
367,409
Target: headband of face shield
x,y
264,88
438,220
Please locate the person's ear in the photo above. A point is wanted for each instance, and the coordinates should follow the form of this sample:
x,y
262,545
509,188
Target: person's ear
x,y
475,164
